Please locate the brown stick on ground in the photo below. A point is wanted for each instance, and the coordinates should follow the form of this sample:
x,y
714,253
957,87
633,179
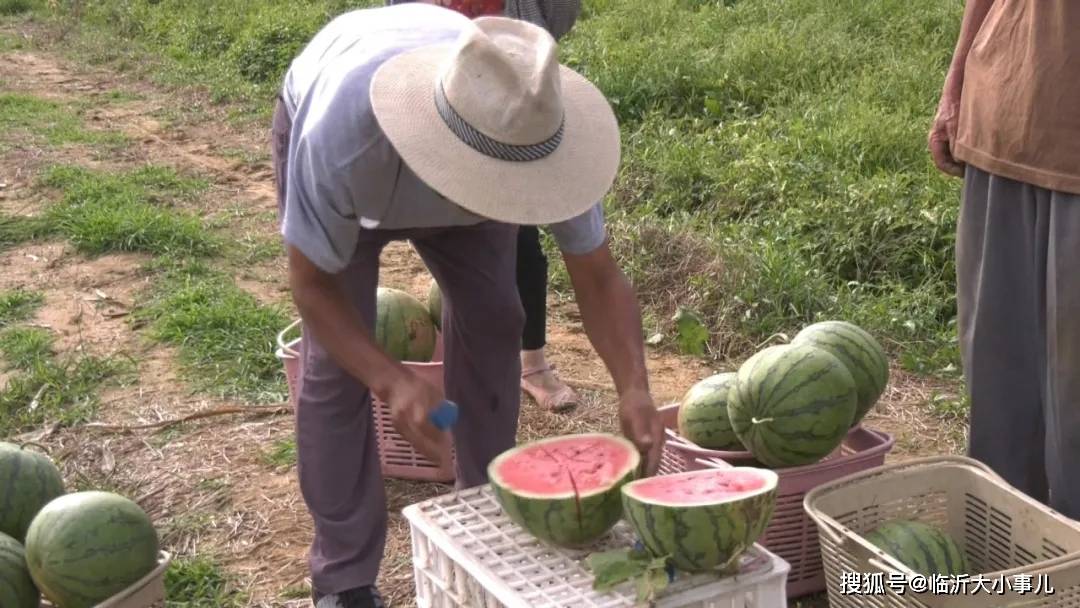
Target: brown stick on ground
x,y
221,411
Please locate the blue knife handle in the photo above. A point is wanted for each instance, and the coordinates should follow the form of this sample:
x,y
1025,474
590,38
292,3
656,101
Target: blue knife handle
x,y
445,415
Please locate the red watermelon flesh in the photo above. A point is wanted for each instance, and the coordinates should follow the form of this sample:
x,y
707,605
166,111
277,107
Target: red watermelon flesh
x,y
571,466
709,487
565,490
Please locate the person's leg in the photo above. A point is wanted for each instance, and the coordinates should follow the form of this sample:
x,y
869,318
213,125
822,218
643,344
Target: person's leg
x,y
337,453
483,321
532,272
1000,283
538,378
1063,354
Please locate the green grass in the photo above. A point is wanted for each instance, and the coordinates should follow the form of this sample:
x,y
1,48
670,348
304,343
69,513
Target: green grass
x,y
127,212
56,391
199,582
781,141
19,305
281,455
25,347
224,335
16,7
54,123
19,229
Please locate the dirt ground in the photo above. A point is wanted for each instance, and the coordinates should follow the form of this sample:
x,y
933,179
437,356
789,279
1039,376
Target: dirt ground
x,y
205,482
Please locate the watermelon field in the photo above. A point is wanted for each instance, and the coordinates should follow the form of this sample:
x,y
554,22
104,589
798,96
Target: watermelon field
x,y
774,175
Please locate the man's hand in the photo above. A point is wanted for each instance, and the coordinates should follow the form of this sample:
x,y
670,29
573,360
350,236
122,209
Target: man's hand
x,y
943,134
412,400
642,425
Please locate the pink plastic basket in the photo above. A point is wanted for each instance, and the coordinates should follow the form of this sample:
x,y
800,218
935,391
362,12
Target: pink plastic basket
x,y
791,534
397,458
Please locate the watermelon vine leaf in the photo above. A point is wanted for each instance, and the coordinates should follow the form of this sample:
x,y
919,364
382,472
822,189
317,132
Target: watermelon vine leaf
x,y
611,568
693,334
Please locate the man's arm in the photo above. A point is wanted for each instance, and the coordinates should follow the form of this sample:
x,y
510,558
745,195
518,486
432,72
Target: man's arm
x,y
612,320
943,132
337,326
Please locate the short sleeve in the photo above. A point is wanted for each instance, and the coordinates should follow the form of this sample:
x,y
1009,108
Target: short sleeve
x,y
319,220
582,234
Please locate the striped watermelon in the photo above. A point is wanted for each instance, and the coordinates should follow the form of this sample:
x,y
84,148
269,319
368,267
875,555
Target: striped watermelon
x,y
703,416
403,326
28,480
925,549
434,304
792,404
859,352
17,589
85,547
565,490
704,520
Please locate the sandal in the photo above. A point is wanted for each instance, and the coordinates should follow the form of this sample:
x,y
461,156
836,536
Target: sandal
x,y
561,400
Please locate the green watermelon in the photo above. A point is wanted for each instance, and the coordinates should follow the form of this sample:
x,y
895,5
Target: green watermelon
x,y
792,404
565,490
17,589
28,481
705,519
85,547
703,416
434,303
859,352
403,326
925,549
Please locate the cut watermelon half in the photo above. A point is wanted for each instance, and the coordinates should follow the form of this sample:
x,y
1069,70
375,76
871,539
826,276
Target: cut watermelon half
x,y
704,487
565,490
702,520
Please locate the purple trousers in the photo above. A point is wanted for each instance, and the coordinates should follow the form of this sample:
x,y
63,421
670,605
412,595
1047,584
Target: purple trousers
x,y
338,461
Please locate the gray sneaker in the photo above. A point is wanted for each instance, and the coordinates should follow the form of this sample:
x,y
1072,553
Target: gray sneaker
x,y
360,597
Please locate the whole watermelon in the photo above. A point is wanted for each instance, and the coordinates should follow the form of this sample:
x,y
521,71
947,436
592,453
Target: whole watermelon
x,y
565,490
703,416
792,404
85,547
859,352
403,326
434,303
702,520
17,589
28,481
925,549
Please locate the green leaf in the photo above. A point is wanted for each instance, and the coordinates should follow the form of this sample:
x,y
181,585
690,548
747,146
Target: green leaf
x,y
693,334
614,567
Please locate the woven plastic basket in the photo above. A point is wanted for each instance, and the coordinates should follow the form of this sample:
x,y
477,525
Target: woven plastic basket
x,y
1018,549
791,533
397,458
147,591
468,554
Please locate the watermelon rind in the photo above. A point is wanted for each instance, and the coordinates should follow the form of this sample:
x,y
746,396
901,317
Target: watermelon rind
x,y
86,547
703,417
28,481
569,519
859,352
17,589
707,535
403,326
434,304
924,548
792,404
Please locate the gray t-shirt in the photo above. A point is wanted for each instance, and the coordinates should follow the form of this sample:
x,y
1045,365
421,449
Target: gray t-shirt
x,y
343,174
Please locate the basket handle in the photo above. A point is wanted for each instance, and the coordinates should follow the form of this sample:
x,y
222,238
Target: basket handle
x,y
825,524
281,339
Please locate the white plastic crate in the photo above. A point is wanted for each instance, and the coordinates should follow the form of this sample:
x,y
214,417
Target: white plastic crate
x,y
467,553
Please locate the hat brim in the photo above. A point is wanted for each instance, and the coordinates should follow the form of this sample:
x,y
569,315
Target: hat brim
x,y
562,185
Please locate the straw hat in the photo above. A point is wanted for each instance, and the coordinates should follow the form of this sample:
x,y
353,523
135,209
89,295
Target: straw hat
x,y
495,124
